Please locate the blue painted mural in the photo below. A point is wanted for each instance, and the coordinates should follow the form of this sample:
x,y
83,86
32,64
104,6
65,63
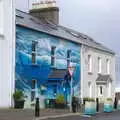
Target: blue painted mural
x,y
26,72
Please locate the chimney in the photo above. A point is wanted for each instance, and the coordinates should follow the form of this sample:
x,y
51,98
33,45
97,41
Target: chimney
x,y
46,10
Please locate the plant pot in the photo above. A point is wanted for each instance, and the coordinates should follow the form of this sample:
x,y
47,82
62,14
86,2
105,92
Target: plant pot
x,y
19,104
108,106
90,108
59,105
118,105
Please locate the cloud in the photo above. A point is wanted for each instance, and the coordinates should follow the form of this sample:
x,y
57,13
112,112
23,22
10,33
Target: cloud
x,y
99,19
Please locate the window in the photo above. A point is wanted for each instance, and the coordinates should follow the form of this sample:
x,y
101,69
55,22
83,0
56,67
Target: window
x,y
108,66
90,89
99,65
53,56
34,82
90,63
34,43
33,92
101,90
68,57
1,17
109,89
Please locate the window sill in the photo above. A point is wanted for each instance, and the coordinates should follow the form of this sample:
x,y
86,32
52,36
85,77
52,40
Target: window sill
x,y
1,36
90,73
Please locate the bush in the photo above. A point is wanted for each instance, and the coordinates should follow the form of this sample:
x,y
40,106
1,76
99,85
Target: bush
x,y
60,99
109,99
18,95
89,99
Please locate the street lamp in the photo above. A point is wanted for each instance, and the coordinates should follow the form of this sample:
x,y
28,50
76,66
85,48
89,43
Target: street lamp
x,y
71,69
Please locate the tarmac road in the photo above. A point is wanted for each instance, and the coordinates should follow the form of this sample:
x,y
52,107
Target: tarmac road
x,y
100,116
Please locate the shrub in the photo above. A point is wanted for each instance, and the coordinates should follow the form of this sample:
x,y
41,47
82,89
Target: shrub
x,y
18,95
109,99
89,99
60,99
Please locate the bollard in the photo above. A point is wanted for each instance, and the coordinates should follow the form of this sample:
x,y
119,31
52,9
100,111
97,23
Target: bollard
x,y
74,105
115,103
37,109
97,103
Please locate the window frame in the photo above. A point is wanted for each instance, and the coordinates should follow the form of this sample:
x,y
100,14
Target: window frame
x,y
68,57
90,63
90,89
101,90
53,51
99,65
108,66
34,52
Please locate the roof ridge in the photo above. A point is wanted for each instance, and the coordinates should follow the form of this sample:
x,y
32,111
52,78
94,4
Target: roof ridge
x,y
22,11
73,35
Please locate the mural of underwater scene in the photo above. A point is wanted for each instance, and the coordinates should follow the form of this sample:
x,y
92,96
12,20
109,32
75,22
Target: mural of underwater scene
x,y
32,79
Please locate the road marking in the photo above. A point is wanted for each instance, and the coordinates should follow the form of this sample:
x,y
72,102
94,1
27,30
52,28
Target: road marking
x,y
57,116
86,116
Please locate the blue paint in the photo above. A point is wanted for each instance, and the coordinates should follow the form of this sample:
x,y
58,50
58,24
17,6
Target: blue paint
x,y
108,108
118,107
90,111
25,71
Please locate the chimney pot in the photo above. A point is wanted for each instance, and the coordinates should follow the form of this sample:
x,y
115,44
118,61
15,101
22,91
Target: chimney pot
x,y
46,10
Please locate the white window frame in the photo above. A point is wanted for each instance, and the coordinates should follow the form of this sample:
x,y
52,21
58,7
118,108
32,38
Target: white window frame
x,y
100,88
90,89
99,65
1,17
89,63
108,66
109,89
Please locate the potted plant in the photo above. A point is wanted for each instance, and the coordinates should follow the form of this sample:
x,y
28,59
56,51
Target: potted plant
x,y
108,105
60,102
118,105
18,99
90,106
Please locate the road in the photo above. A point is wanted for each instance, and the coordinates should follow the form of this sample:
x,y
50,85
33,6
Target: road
x,y
100,116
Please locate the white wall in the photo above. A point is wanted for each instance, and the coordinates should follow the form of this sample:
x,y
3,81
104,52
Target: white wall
x,y
87,78
7,53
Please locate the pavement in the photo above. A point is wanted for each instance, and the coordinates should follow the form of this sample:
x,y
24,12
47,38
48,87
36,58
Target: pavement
x,y
28,114
53,114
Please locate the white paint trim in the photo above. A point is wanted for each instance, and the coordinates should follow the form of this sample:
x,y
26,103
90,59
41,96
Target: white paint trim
x,y
1,18
13,51
90,88
82,70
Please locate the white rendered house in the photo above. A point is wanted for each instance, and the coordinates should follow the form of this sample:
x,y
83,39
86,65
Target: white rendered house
x,y
97,73
7,52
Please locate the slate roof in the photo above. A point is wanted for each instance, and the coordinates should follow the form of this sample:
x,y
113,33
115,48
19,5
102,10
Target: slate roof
x,y
43,25
57,74
103,78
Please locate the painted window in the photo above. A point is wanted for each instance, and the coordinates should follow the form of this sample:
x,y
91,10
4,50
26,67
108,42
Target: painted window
x,y
53,48
89,63
68,57
1,16
108,66
99,65
34,52
33,92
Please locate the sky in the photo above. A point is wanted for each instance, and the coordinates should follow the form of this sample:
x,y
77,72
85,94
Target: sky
x,y
99,19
